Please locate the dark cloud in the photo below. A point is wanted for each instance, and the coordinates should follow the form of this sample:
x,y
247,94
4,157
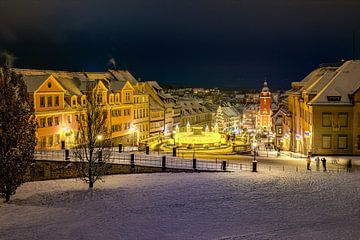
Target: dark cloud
x,y
201,42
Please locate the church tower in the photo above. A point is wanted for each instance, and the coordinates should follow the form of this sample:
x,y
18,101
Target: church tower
x,y
265,108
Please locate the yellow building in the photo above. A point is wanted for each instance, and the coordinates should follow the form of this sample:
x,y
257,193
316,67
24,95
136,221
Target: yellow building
x,y
57,96
324,111
141,112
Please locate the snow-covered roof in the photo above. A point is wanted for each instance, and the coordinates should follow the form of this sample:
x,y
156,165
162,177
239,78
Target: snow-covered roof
x,y
336,88
33,82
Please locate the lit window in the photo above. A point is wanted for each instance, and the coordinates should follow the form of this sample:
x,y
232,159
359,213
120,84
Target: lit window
x,y
343,119
326,119
326,141
342,141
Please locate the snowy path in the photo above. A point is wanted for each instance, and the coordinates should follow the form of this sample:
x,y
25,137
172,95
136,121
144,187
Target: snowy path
x,y
232,206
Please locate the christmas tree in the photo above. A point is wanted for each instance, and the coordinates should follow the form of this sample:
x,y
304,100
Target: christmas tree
x,y
219,120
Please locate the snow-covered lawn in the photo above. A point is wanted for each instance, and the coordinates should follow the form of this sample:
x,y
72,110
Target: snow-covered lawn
x,y
269,205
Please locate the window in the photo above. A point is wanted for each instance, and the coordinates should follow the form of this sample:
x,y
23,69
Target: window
x,y
343,119
127,97
42,122
116,128
42,142
56,121
57,102
42,101
74,102
50,140
334,98
342,141
49,121
326,119
57,139
99,98
326,141
49,84
69,118
83,101
49,101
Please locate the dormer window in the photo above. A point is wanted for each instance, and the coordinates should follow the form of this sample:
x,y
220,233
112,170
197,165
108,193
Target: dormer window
x,y
99,98
334,98
73,101
111,99
83,100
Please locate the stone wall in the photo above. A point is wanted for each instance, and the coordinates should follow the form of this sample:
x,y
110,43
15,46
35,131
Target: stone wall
x,y
47,170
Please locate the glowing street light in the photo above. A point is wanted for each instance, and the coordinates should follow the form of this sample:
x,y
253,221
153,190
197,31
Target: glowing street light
x,y
99,137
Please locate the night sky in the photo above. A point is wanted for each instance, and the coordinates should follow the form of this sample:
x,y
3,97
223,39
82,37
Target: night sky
x,y
224,43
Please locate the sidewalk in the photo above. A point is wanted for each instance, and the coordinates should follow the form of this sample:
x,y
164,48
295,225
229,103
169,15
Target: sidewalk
x,y
287,155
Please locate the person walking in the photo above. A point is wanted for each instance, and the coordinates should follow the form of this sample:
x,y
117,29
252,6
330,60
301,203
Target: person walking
x,y
308,162
349,165
323,160
317,161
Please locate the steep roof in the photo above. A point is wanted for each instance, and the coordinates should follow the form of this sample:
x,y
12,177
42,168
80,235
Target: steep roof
x,y
33,82
343,83
123,75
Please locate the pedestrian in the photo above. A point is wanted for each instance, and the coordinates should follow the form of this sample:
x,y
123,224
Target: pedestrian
x,y
317,161
308,162
323,160
349,165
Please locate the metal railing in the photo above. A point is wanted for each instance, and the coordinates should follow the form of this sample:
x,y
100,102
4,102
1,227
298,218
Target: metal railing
x,y
166,160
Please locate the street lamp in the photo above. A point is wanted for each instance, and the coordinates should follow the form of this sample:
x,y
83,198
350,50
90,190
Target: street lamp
x,y
254,144
99,137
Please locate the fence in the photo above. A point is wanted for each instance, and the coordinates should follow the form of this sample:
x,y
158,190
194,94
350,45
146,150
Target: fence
x,y
168,161
150,160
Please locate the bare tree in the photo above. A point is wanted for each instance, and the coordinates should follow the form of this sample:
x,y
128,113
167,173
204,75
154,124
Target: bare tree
x,y
17,132
92,143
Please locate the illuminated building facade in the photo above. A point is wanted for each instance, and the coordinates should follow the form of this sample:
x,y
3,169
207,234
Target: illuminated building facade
x,y
324,111
57,96
264,115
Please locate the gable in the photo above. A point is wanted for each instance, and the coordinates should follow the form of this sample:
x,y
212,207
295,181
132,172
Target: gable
x,y
50,85
101,87
128,86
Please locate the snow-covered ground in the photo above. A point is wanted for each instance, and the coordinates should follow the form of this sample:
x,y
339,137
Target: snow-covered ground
x,y
245,205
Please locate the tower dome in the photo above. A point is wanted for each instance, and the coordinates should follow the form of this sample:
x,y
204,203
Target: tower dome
x,y
265,88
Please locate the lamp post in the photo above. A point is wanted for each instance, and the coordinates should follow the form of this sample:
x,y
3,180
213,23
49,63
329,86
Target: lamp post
x,y
254,160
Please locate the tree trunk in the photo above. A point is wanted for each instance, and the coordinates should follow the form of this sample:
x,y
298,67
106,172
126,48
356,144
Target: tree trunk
x,y
7,197
91,184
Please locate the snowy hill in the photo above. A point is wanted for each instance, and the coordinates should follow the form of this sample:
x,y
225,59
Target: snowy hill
x,y
269,205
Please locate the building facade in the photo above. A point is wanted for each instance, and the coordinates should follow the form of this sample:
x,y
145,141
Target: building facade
x,y
324,111
264,116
